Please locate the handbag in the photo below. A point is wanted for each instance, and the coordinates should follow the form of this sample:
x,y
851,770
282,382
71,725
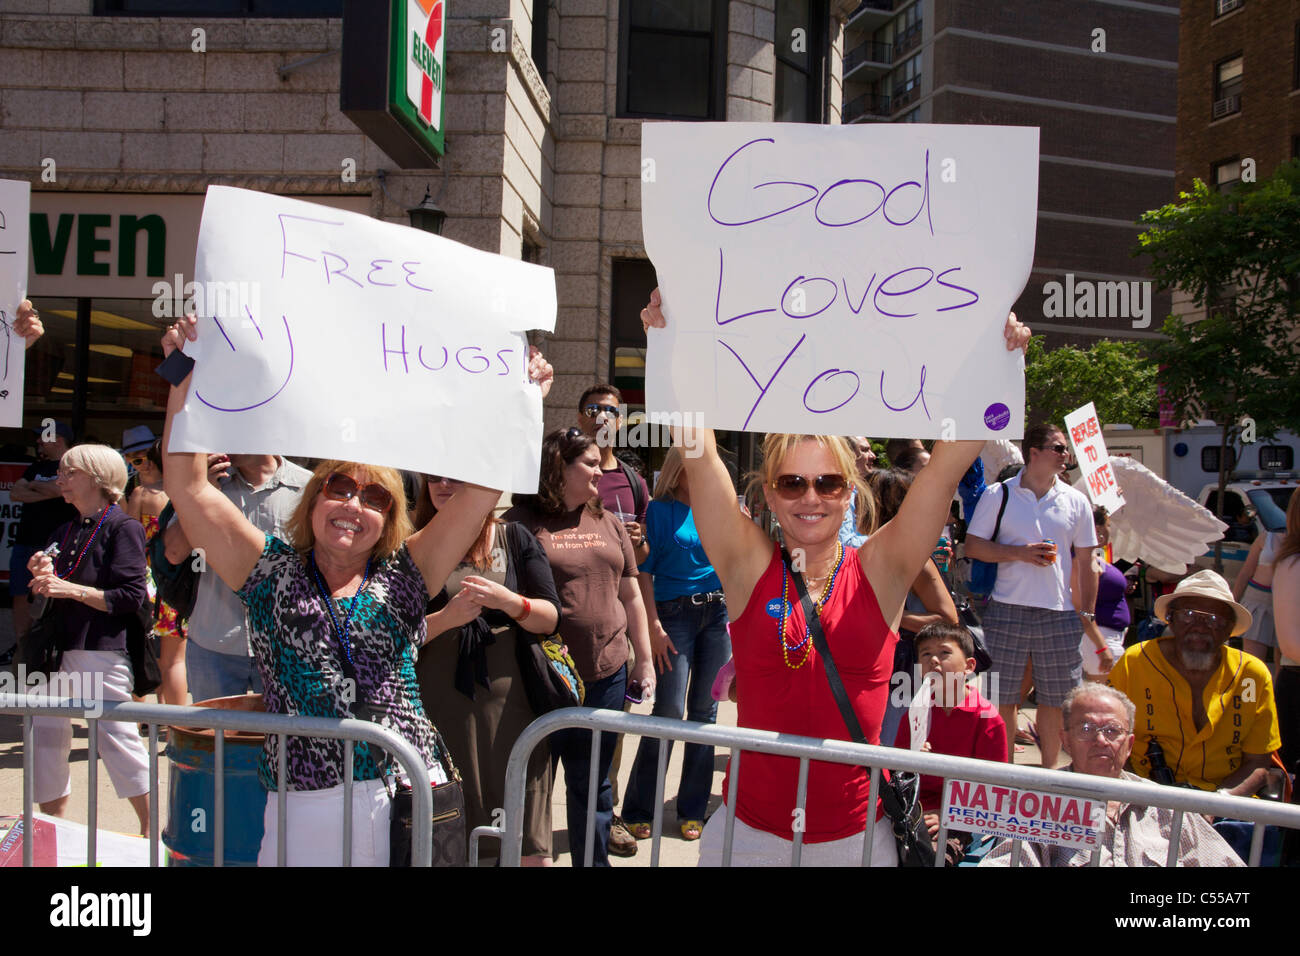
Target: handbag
x,y
549,673
984,574
146,675
899,791
969,618
177,584
450,841
39,650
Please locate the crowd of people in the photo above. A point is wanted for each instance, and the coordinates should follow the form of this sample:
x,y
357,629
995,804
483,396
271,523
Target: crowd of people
x,y
355,590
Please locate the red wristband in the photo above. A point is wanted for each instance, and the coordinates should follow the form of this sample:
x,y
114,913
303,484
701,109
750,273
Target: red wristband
x,y
528,608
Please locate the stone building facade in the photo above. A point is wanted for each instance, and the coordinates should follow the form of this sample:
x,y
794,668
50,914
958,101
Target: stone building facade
x,y
544,107
542,161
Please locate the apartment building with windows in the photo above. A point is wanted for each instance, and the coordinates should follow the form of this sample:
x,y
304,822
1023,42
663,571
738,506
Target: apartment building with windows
x,y
1096,76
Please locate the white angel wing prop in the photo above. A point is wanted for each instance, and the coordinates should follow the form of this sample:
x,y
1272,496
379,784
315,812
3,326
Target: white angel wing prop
x,y
1158,524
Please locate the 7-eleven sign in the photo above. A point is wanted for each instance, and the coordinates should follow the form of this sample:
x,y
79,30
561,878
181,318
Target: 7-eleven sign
x,y
426,52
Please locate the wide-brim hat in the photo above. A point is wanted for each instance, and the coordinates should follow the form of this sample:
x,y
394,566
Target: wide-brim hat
x,y
1205,584
137,438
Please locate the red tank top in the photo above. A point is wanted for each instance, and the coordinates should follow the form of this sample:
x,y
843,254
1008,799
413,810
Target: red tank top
x,y
772,696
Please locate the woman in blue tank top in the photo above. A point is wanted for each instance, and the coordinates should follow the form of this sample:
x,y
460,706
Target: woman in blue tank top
x,y
688,634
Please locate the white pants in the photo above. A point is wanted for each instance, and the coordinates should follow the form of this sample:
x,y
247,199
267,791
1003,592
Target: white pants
x,y
1088,650
751,847
103,675
314,826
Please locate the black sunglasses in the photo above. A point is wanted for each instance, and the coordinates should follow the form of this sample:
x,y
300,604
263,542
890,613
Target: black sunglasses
x,y
794,487
341,487
1058,448
592,410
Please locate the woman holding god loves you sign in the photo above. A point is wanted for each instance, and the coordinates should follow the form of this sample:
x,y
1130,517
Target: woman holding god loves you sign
x,y
781,680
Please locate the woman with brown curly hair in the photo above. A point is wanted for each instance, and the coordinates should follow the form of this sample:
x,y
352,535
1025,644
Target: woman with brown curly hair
x,y
594,566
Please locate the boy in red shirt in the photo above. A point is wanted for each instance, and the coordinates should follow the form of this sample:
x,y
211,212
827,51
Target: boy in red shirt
x,y
963,723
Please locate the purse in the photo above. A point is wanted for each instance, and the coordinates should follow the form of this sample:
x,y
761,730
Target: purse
x,y
450,840
38,650
984,574
549,673
146,675
899,791
969,618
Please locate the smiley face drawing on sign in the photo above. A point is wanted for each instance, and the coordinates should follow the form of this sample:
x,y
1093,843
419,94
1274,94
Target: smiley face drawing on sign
x,y
248,366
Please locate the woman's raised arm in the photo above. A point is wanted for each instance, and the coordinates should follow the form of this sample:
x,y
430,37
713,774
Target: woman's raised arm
x,y
737,548
439,546
227,541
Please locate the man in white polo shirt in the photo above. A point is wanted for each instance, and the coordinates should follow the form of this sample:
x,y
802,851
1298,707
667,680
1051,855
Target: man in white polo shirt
x,y
1032,614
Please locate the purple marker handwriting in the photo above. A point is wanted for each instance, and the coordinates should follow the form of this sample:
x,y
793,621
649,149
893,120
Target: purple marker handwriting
x,y
226,404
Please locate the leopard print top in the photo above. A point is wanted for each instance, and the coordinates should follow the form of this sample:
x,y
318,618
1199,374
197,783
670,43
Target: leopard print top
x,y
301,662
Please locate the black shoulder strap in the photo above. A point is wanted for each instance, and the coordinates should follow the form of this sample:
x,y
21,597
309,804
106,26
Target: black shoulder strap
x,y
997,527
634,481
893,805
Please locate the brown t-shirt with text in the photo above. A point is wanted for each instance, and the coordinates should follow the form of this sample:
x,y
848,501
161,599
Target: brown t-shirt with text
x,y
590,555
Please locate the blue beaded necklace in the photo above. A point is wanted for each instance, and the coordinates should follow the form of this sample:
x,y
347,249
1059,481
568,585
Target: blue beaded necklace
x,y
820,603
342,632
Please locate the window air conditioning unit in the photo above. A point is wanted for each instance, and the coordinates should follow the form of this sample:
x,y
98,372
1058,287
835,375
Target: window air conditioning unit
x,y
1226,6
1227,106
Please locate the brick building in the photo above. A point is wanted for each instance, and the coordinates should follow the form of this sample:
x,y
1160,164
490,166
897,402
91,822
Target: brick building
x,y
1097,77
114,114
1238,94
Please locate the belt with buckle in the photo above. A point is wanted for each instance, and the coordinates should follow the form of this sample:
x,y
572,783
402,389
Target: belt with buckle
x,y
704,598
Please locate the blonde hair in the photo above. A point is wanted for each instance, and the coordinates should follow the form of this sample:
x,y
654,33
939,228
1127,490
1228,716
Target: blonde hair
x,y
670,475
103,464
397,522
776,448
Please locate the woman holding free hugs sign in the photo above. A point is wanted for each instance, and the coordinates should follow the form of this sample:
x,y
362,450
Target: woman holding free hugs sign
x,y
781,682
335,615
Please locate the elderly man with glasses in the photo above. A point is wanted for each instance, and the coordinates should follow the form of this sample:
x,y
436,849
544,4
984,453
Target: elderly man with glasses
x,y
1098,737
1206,715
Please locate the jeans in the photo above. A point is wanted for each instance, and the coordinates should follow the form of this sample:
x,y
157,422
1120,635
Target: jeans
x,y
573,749
210,674
699,633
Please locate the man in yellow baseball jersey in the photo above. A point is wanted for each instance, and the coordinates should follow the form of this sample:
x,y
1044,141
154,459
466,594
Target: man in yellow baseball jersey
x,y
1207,708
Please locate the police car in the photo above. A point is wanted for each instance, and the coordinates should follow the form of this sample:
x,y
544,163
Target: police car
x,y
1252,505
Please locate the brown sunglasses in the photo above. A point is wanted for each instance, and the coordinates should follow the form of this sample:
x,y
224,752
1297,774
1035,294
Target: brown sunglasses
x,y
794,487
341,487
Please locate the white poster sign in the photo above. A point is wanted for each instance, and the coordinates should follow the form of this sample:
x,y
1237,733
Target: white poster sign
x,y
839,279
1033,815
15,207
329,334
1094,462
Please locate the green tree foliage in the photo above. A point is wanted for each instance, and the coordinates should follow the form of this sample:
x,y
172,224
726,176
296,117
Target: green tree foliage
x,y
1116,376
1238,257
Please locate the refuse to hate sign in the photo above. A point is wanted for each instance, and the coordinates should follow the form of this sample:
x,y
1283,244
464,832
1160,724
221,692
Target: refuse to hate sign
x,y
329,334
1094,461
839,279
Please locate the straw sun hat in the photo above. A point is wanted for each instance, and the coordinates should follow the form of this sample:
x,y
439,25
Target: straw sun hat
x,y
1205,584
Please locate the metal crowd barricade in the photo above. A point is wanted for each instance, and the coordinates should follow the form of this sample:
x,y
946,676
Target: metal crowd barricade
x,y
806,749
350,731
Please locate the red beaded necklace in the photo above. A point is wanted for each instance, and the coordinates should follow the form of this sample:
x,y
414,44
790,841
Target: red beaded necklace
x,y
89,541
